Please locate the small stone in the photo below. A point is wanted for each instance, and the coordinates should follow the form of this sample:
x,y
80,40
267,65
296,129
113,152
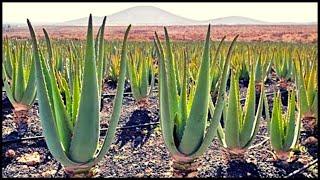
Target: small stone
x,y
9,116
167,174
49,173
192,174
30,159
140,175
148,171
310,141
10,153
144,132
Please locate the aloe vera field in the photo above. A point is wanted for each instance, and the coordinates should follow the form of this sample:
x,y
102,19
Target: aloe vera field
x,y
119,101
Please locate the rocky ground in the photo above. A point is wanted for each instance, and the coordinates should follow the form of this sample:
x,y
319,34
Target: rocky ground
x,y
139,151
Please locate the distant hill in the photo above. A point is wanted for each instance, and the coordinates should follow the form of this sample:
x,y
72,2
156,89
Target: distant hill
x,y
236,20
140,15
149,15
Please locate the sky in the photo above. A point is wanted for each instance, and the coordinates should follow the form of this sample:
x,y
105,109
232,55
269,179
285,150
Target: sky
x,y
60,12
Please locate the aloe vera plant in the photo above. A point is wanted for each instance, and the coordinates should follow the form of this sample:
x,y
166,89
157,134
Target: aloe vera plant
x,y
114,64
73,136
307,86
283,65
240,124
262,69
184,127
216,67
19,79
284,129
139,68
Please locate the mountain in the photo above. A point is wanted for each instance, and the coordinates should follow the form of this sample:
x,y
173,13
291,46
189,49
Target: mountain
x,y
236,20
152,16
139,15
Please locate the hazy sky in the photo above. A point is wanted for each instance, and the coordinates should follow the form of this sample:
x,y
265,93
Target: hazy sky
x,y
59,12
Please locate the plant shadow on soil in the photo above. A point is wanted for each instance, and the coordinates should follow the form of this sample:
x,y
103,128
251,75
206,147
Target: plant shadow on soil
x,y
243,169
289,167
6,106
138,136
19,132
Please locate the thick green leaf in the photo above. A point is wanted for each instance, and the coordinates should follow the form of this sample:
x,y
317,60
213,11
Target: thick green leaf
x,y
86,130
232,124
166,122
45,108
117,104
196,124
275,125
292,123
248,126
172,83
212,129
19,84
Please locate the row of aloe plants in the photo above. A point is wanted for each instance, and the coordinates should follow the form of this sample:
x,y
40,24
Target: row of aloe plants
x,y
68,91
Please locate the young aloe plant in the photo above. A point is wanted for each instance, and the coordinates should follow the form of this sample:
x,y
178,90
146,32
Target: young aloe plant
x,y
73,139
184,127
284,129
216,69
283,65
240,124
139,68
307,86
19,79
262,70
114,64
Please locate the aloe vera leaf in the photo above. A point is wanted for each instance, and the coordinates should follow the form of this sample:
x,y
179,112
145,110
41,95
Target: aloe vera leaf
x,y
256,119
133,78
258,74
63,123
177,77
220,132
86,130
8,64
215,70
117,104
75,96
311,86
275,125
68,104
215,59
144,79
196,124
152,83
19,84
30,91
49,49
46,113
172,85
211,131
166,122
267,70
183,100
249,117
96,43
100,55
303,101
314,105
232,125
8,90
289,136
